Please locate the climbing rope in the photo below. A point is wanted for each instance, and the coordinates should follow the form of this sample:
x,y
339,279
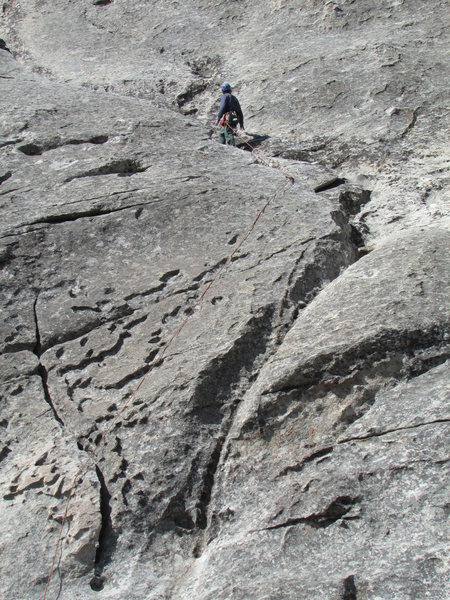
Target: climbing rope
x,y
101,441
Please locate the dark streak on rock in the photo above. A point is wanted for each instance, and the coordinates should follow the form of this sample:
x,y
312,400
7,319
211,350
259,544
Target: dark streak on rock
x,y
95,309
136,322
30,149
217,397
5,177
193,89
138,374
125,490
42,371
3,45
296,468
208,479
352,200
349,588
153,290
202,275
215,383
122,167
330,184
169,275
172,314
334,511
4,453
97,358
412,122
107,539
36,148
369,436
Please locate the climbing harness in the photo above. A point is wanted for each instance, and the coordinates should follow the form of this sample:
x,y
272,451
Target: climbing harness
x,y
229,119
103,435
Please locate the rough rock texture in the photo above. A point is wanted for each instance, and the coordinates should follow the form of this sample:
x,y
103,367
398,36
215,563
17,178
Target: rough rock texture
x,y
292,442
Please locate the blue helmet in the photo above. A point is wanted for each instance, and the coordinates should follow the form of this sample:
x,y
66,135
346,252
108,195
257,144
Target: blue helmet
x,y
226,87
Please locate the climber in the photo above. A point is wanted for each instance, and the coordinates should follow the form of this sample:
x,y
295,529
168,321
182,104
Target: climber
x,y
230,115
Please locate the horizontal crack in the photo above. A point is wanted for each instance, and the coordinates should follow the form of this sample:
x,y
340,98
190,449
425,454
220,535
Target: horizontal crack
x,y
36,148
67,217
140,373
298,467
98,357
387,431
366,352
124,168
334,511
330,184
122,311
11,190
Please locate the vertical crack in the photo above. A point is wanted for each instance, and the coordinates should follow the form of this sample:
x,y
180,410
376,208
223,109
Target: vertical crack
x,y
107,538
211,469
350,591
202,521
42,371
285,322
324,264
218,396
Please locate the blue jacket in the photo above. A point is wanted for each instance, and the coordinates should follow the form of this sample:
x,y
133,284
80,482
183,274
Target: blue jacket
x,y
228,102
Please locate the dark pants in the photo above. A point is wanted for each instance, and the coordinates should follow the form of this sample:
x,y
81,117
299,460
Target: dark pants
x,y
226,135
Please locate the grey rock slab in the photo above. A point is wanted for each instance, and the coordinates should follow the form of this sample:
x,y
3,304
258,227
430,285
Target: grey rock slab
x,y
292,441
18,364
397,290
382,478
361,406
411,404
72,163
360,87
99,271
179,414
345,524
39,463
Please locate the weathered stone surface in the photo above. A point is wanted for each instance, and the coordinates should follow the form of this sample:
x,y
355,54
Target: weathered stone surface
x,y
292,443
340,445
341,518
360,86
39,464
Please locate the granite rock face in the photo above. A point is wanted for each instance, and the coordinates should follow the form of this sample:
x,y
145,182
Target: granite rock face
x,y
291,441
